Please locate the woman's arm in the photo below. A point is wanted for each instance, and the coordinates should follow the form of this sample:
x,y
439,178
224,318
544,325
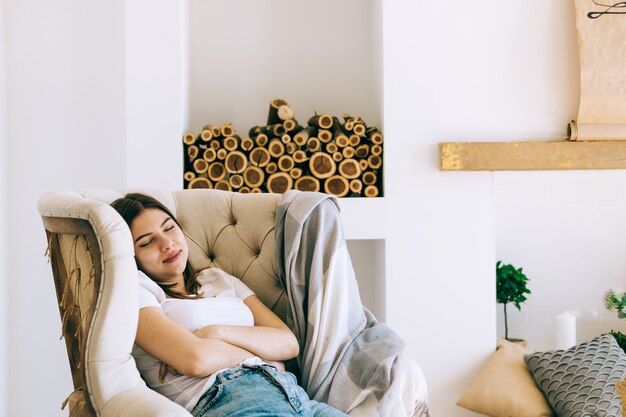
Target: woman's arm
x,y
269,338
181,349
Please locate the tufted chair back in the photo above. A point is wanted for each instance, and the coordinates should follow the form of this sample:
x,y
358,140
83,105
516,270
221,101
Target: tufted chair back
x,y
92,259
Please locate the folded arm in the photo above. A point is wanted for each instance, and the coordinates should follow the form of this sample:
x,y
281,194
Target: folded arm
x,y
183,350
269,338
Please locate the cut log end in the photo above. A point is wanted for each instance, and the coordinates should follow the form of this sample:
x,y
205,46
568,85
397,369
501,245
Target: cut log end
x,y
223,185
253,176
236,181
192,152
313,144
301,137
216,171
227,130
295,173
279,110
259,157
337,185
230,143
342,141
235,162
189,138
362,151
307,183
247,144
285,112
279,183
374,161
332,147
356,186
206,135
276,148
325,121
371,191
200,166
261,139
286,163
322,165
369,178
289,125
271,168
348,152
324,135
200,182
349,168
299,156
377,138
291,148
359,129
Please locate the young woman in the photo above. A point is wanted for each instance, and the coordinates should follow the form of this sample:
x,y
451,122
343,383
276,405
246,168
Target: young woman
x,y
206,341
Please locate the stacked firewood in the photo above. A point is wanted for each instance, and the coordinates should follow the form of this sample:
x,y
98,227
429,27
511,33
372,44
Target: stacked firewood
x,y
343,158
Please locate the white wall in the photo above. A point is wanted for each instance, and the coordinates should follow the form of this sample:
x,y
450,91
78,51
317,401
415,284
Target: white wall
x,y
368,261
155,92
316,55
3,221
568,232
65,129
98,95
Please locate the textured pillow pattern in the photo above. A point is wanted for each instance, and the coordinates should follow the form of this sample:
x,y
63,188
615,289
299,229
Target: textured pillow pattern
x,y
580,381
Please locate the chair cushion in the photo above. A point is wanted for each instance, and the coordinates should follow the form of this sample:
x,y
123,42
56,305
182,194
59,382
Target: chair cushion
x,y
234,232
581,380
505,387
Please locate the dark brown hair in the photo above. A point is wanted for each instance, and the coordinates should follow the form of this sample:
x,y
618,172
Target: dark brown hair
x,y
132,205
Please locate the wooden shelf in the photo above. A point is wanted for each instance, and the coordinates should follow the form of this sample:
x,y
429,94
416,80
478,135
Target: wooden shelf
x,y
532,156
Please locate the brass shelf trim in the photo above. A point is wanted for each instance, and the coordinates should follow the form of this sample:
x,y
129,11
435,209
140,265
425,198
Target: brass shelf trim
x,y
533,155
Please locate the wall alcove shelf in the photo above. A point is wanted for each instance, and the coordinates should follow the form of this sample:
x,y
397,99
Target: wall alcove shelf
x,y
532,156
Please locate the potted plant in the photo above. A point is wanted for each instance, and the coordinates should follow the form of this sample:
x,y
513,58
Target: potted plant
x,y
615,301
510,288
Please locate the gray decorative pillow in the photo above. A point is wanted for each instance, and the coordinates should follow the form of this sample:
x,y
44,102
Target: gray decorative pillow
x,y
580,381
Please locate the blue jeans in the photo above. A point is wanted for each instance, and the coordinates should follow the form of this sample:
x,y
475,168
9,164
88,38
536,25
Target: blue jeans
x,y
259,391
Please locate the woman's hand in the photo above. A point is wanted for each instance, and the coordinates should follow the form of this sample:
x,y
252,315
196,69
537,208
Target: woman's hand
x,y
210,331
164,369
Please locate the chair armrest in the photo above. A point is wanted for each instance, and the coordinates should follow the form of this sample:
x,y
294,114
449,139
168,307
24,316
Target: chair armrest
x,y
142,402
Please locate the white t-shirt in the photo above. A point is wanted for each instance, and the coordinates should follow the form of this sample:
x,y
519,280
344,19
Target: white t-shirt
x,y
222,303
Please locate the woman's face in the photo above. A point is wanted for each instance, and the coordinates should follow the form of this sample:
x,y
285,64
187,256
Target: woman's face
x,y
160,247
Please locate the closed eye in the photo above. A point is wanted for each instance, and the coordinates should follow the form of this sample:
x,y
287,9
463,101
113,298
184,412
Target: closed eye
x,y
143,245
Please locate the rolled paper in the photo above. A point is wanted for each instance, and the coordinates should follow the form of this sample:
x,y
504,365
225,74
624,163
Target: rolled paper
x,y
596,131
565,331
601,31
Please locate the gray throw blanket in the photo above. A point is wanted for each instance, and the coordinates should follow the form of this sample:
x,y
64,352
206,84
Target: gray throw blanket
x,y
347,359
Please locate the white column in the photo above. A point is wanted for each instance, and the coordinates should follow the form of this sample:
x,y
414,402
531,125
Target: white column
x,y
440,252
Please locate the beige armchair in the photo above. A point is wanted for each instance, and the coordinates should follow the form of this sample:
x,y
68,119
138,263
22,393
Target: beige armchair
x,y
95,277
